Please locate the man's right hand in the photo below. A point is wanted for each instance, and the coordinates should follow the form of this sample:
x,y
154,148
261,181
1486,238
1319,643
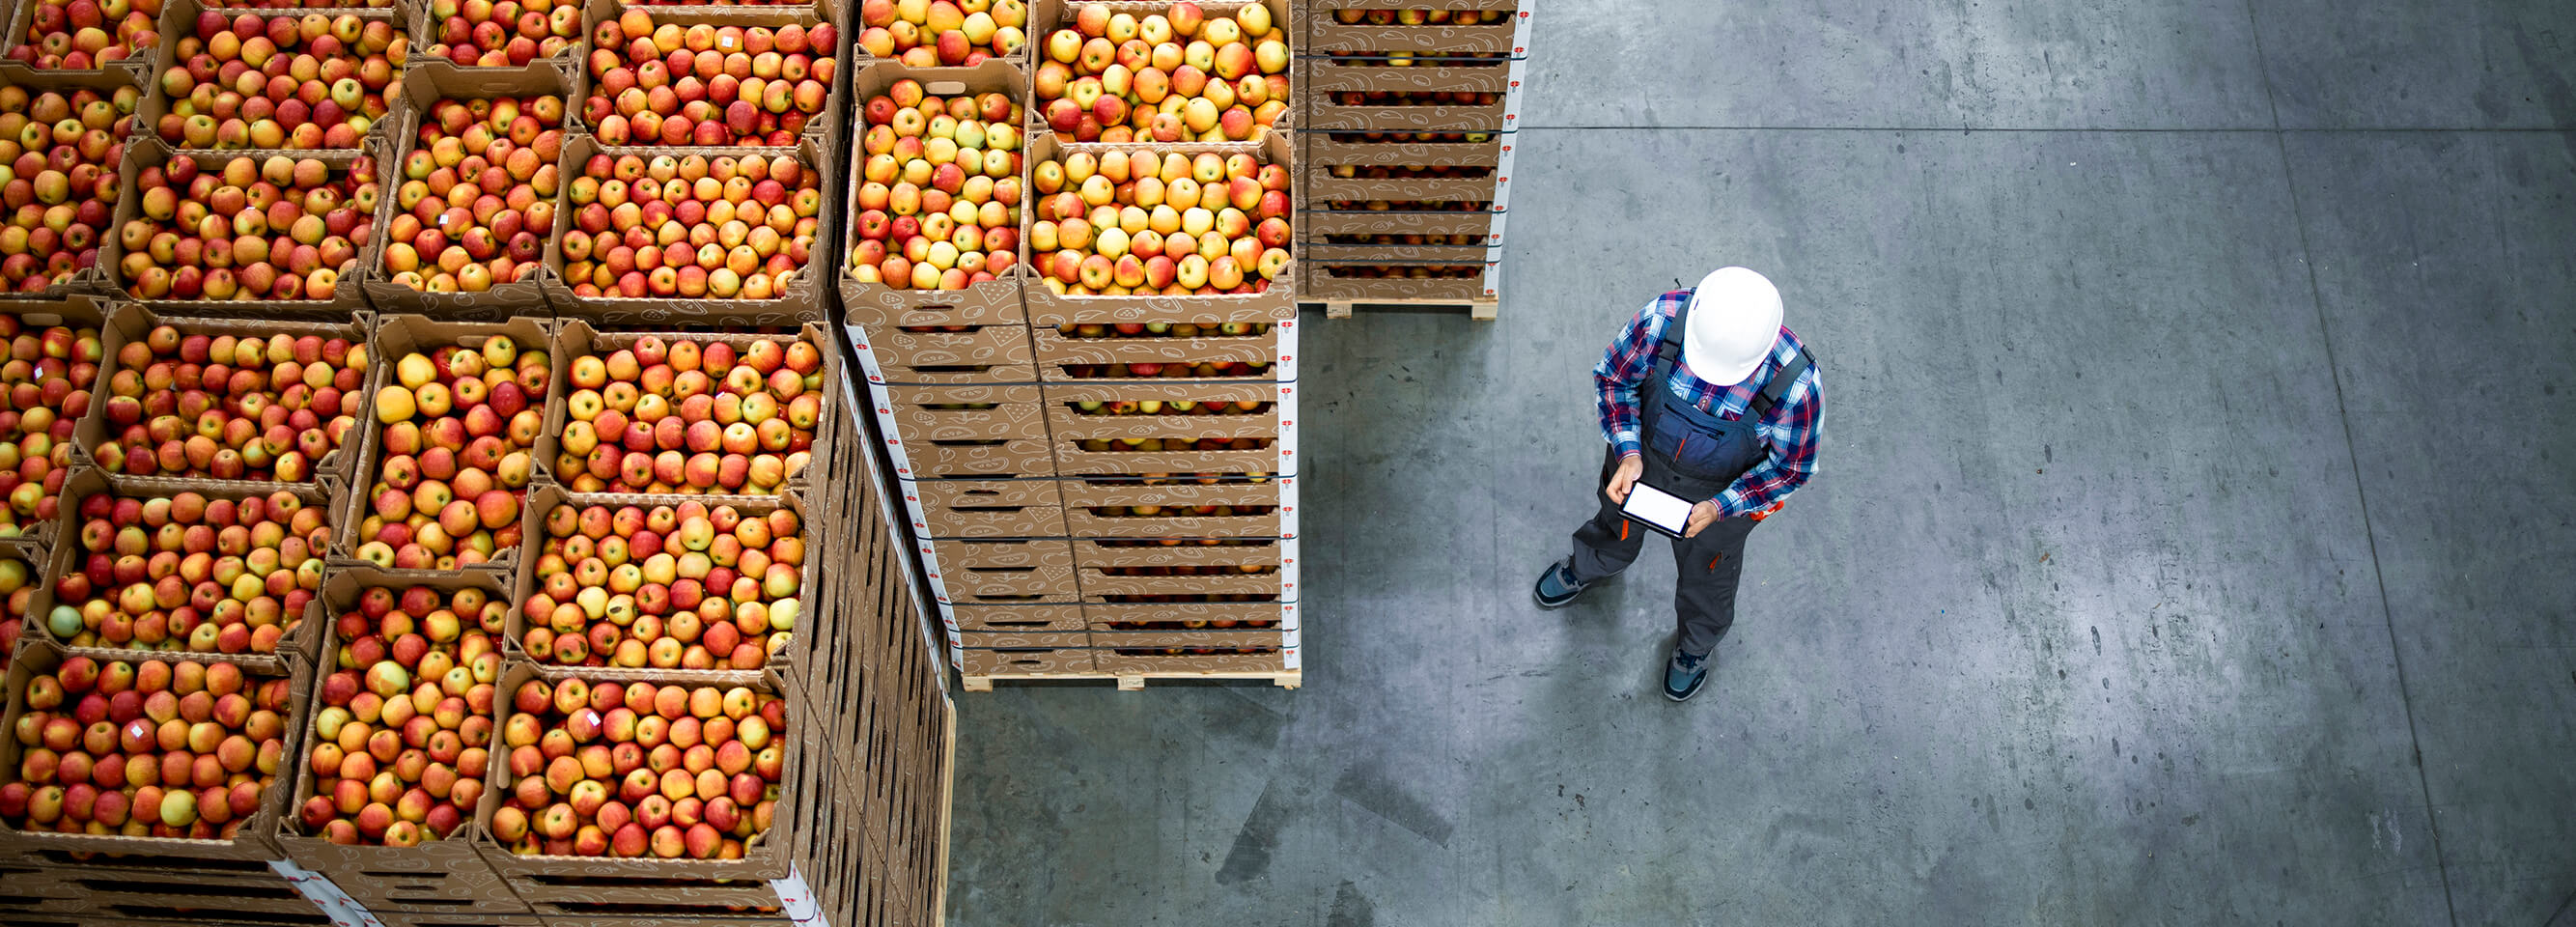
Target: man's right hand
x,y
1631,467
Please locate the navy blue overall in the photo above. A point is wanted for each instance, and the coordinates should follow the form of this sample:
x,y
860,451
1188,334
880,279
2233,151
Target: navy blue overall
x,y
1693,453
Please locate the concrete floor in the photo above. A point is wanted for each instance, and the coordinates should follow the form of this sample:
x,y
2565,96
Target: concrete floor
x,y
2191,548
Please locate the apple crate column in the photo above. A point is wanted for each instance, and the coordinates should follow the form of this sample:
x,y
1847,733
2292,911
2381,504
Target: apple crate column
x,y
1407,134
59,262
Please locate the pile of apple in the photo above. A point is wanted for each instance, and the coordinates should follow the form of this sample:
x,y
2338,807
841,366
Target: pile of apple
x,y
77,35
685,587
1180,75
17,587
309,4
45,384
690,227
230,408
704,85
1172,444
1415,98
510,33
279,82
146,749
1114,224
1393,17
188,573
401,744
683,417
58,161
1170,407
238,229
638,770
477,194
940,191
941,33
454,457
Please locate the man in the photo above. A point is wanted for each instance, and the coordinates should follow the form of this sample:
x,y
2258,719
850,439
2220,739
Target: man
x,y
1707,396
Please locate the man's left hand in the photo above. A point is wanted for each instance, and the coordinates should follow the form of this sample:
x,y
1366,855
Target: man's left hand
x,y
1702,515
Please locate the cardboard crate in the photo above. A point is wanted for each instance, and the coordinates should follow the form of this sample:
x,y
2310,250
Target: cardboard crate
x,y
399,335
914,414
801,300
882,307
572,886
966,355
103,893
1326,283
1126,552
1066,661
1244,615
415,919
1403,68
791,661
1326,33
1101,586
348,296
1074,458
1003,640
446,876
1286,16
1114,641
820,129
576,338
135,70
968,520
65,556
1021,619
1258,510
82,281
1081,354
1325,113
128,323
249,843
1321,221
1067,417
1047,307
420,89
179,19
1180,661
1321,185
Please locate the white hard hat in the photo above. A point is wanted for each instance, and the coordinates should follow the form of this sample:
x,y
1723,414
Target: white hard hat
x,y
1734,320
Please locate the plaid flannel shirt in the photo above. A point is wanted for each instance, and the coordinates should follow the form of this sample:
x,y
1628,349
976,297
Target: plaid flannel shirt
x,y
1792,430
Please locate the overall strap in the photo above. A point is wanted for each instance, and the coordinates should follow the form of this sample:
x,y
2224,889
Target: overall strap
x,y
1668,351
1788,375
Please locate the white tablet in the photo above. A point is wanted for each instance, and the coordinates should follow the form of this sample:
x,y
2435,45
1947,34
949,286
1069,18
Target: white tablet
x,y
1657,509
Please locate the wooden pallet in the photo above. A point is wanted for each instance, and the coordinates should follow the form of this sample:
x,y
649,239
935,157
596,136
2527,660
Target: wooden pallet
x,y
1482,310
1132,682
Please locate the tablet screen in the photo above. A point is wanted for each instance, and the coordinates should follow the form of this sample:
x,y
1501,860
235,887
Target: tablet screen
x,y
1657,507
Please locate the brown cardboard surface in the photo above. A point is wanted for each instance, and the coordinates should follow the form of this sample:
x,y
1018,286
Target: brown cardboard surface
x,y
1316,224
447,875
91,280
983,354
1322,285
1071,459
250,840
1040,552
878,305
1045,307
952,394
348,297
1055,349
1066,420
1152,661
1129,490
576,338
788,661
1061,662
1014,413
1086,523
1050,583
1332,149
1322,114
1130,640
131,322
1323,33
1426,73
1057,616
971,521
105,895
988,640
179,18
1096,584
421,88
983,492
802,300
1326,255
1107,552
1442,189
929,460
396,336
63,556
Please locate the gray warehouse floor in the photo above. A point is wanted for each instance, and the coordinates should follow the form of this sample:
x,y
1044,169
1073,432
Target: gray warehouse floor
x,y
2192,545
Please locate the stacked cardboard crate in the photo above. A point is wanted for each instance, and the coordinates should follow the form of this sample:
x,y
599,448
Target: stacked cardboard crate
x,y
1405,157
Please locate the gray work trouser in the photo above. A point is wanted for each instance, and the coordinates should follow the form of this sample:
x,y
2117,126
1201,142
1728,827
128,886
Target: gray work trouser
x,y
1710,564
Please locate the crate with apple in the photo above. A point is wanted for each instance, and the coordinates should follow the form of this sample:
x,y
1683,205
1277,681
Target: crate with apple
x,y
58,891
207,232
331,80
995,640
728,413
403,720
980,665
1463,111
231,399
111,39
1191,506
1021,508
471,202
939,182
1321,219
199,568
48,387
1095,553
1175,233
149,755
690,75
960,355
943,33
450,462
1432,26
1262,661
615,584
1405,70
485,34
675,236
1361,281
1133,635
1185,409
1150,72
964,572
1205,349
53,239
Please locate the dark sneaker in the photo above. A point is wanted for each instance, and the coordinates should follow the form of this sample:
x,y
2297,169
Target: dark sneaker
x,y
1557,587
1684,675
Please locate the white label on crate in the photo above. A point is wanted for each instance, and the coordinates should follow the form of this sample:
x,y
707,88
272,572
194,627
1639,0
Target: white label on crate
x,y
1288,659
1288,616
1285,368
868,367
930,571
1493,277
1287,408
1288,638
796,899
893,436
911,492
335,904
